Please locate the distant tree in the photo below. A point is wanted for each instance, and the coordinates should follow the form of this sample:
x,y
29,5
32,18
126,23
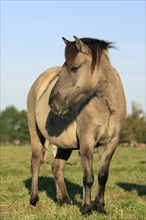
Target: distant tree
x,y
13,125
8,118
134,128
22,127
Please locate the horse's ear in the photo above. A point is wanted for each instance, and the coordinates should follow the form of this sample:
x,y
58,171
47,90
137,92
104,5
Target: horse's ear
x,y
83,48
67,42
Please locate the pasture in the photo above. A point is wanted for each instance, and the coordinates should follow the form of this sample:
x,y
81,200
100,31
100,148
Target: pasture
x,y
125,194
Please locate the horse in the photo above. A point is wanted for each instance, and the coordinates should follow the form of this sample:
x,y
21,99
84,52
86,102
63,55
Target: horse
x,y
79,105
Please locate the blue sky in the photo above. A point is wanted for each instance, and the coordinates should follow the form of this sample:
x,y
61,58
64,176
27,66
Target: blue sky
x,y
31,41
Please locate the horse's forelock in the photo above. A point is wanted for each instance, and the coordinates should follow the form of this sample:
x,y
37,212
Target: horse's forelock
x,y
71,52
96,46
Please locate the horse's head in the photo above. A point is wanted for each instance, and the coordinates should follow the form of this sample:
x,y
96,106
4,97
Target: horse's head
x,y
80,75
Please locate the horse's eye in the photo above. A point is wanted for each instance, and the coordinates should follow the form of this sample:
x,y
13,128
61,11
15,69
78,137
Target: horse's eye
x,y
74,69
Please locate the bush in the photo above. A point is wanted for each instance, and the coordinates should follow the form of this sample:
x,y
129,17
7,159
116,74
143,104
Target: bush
x,y
13,125
134,128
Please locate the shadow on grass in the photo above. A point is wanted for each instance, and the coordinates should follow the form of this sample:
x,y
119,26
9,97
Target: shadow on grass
x,y
47,184
141,189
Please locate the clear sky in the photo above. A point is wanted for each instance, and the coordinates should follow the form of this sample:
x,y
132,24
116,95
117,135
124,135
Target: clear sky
x,y
31,41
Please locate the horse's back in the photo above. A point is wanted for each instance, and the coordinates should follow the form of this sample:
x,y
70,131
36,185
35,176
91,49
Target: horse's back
x,y
40,83
34,93
36,90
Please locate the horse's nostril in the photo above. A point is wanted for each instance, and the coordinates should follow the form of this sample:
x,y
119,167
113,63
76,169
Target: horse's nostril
x,y
52,103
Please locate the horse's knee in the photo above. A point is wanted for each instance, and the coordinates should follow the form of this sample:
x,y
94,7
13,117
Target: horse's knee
x,y
59,163
102,177
88,180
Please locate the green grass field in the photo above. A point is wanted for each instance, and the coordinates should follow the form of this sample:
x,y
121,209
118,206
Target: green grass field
x,y
125,192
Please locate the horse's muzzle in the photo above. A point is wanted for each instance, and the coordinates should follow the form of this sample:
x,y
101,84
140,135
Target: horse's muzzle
x,y
56,108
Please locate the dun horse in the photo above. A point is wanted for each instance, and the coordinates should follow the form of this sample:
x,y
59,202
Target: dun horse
x,y
80,105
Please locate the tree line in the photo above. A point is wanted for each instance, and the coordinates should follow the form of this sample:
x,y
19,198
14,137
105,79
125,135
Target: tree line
x,y
14,127
134,127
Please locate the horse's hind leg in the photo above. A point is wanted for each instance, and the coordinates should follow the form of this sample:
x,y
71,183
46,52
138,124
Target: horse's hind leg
x,y
103,173
37,142
54,150
58,168
45,152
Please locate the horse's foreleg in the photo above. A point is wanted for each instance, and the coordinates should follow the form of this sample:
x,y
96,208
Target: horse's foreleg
x,y
88,177
103,173
58,168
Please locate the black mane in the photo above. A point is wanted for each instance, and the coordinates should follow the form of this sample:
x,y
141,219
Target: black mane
x,y
94,44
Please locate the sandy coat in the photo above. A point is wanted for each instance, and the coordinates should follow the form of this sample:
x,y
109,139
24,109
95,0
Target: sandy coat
x,y
80,105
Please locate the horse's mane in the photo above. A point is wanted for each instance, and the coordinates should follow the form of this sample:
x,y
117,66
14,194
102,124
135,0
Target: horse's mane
x,y
96,46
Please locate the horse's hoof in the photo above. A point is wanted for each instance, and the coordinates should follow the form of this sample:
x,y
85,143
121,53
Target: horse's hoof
x,y
102,211
64,201
100,208
86,210
34,200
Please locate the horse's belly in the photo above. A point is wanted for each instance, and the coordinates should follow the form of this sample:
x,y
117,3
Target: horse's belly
x,y
66,139
54,128
57,131
60,133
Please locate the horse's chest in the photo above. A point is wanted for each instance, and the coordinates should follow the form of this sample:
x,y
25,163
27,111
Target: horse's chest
x,y
102,133
96,121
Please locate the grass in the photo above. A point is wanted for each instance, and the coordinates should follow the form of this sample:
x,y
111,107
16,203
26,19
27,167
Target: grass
x,y
125,192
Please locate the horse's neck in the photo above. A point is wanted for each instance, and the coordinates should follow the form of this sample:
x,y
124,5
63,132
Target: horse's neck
x,y
108,88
